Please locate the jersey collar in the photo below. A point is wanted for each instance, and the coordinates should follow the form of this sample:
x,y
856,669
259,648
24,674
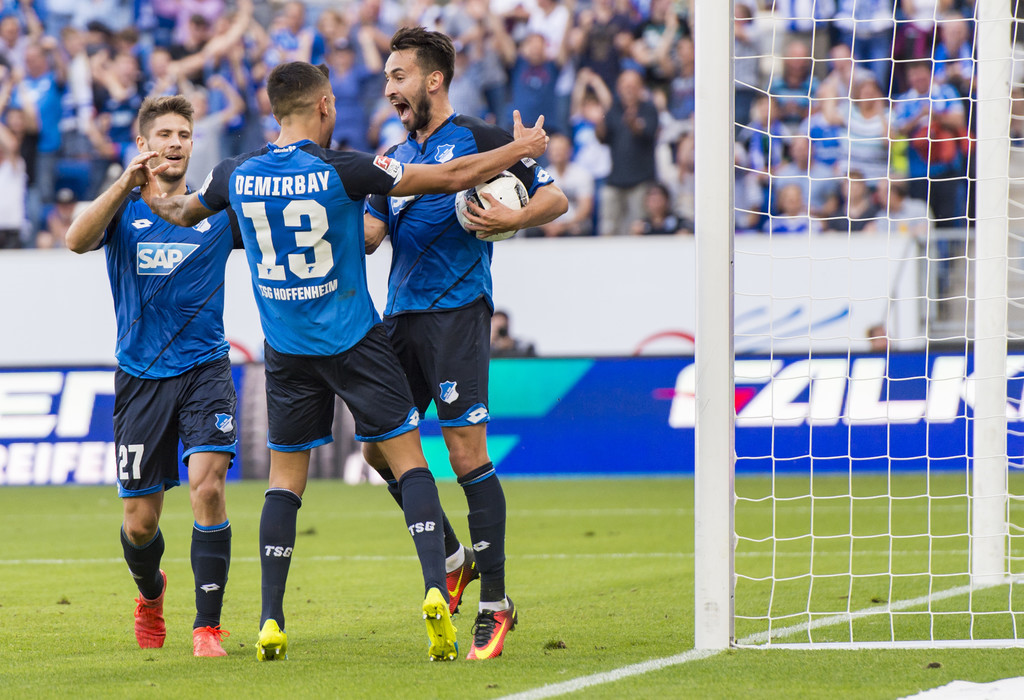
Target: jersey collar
x,y
423,147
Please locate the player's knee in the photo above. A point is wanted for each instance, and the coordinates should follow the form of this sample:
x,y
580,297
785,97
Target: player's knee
x,y
207,495
140,528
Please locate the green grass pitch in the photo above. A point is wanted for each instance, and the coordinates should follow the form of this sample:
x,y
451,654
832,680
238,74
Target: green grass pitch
x,y
602,571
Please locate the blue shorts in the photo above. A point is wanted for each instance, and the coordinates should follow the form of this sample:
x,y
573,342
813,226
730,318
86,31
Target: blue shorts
x,y
446,356
152,415
367,376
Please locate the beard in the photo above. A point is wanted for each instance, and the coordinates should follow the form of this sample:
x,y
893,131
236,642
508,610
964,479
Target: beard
x,y
421,113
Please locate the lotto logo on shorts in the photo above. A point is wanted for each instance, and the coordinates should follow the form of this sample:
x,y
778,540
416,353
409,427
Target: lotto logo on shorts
x,y
162,258
449,391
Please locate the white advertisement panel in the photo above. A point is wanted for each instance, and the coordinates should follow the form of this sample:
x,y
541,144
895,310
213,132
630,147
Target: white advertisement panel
x,y
597,297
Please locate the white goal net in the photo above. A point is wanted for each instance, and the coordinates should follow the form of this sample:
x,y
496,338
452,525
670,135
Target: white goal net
x,y
878,427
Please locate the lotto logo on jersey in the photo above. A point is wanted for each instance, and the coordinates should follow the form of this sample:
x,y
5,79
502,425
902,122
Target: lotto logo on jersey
x,y
390,166
162,258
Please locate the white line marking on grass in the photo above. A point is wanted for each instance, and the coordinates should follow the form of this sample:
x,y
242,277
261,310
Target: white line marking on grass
x,y
550,691
354,557
556,689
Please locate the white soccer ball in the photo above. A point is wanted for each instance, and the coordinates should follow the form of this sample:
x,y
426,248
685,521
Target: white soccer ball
x,y
506,188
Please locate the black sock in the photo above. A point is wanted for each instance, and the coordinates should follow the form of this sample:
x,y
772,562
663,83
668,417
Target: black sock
x,y
277,540
422,514
486,503
211,556
144,564
451,540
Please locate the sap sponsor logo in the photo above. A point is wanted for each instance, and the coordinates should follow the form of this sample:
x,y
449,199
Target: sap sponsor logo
x,y
141,224
418,528
449,391
162,258
852,391
445,153
275,551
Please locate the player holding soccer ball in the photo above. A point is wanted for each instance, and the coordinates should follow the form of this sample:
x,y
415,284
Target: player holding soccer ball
x,y
173,376
439,305
299,209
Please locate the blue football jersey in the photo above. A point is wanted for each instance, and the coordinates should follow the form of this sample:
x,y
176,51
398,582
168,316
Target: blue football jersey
x,y
299,209
168,288
436,264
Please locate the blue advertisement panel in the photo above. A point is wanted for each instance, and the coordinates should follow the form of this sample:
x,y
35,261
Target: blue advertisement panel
x,y
910,411
56,426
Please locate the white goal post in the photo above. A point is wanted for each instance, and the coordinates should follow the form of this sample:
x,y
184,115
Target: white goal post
x,y
874,544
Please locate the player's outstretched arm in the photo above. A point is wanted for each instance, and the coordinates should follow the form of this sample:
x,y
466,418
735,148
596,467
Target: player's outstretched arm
x,y
180,209
86,231
468,171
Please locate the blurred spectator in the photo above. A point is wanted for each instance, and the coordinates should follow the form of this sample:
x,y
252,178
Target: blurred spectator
x,y
349,78
857,209
805,20
905,216
630,129
682,182
118,98
208,128
58,219
590,100
577,184
932,117
532,78
842,75
954,57
792,215
602,39
792,90
869,131
503,343
746,68
185,10
817,183
290,38
915,36
867,27
13,183
659,219
878,338
682,88
38,93
16,37
657,40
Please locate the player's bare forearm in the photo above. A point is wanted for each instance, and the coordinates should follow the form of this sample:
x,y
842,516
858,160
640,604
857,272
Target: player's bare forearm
x,y
547,204
374,231
180,209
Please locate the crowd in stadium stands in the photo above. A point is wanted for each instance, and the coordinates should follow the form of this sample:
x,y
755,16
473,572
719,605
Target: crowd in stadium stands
x,y
832,97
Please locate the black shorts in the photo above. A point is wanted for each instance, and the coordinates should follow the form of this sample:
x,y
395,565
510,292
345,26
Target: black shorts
x,y
301,391
152,415
446,356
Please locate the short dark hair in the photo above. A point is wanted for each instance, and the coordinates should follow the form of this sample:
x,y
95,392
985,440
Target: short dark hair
x,y
296,87
434,50
153,107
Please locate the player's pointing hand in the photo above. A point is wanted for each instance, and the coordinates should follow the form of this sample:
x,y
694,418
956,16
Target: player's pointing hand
x,y
535,138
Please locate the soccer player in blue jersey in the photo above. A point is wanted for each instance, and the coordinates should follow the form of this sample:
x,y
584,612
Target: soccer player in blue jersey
x,y
173,378
439,306
299,208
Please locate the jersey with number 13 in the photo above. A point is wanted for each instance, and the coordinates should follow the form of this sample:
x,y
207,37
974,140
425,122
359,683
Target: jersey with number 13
x,y
299,210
